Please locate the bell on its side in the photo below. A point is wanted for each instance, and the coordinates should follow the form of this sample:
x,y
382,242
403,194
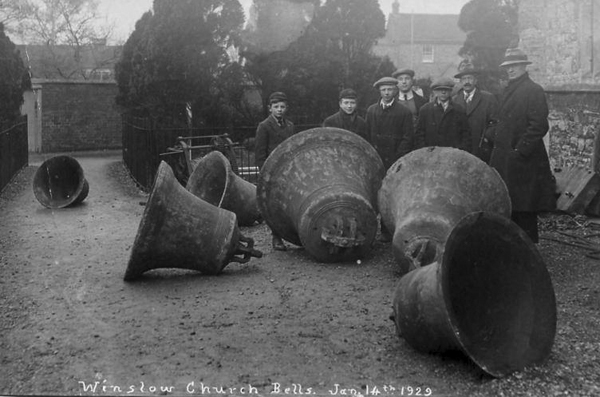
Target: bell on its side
x,y
426,192
214,181
59,182
180,230
490,296
318,189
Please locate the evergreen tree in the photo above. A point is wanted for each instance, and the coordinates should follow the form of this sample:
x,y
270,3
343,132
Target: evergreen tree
x,y
176,58
333,53
14,79
491,28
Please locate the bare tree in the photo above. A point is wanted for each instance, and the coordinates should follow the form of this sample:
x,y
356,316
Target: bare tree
x,y
67,37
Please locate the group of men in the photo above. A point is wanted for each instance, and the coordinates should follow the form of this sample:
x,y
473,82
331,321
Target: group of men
x,y
508,135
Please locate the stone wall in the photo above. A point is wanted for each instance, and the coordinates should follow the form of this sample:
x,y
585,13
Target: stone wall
x,y
574,124
562,39
80,116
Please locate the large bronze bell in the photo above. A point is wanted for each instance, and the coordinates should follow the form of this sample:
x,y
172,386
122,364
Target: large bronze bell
x,y
214,181
319,189
426,192
180,230
490,296
59,182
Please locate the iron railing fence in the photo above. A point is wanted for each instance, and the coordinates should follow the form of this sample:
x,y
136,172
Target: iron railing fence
x,y
14,154
145,145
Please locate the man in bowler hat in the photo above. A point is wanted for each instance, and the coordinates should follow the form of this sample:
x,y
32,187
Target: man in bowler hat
x,y
519,154
480,106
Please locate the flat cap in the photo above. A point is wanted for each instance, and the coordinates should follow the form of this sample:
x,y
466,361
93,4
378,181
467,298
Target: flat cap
x,y
442,82
385,81
400,72
277,96
468,70
513,56
348,93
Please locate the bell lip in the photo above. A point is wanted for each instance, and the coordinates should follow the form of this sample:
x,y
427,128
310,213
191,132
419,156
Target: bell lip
x,y
132,272
81,189
540,271
272,165
213,157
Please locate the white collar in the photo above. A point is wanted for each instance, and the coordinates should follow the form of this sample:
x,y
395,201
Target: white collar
x,y
470,94
444,105
386,105
409,95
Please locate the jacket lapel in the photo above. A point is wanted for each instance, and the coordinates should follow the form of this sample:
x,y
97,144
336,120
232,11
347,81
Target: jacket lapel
x,y
474,102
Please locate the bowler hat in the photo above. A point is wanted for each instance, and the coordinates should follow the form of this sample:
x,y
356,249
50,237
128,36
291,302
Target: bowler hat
x,y
513,56
348,93
442,82
277,96
407,71
468,70
385,81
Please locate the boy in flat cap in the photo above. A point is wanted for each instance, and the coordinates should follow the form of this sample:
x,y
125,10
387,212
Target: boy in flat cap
x,y
441,122
480,106
347,117
270,133
390,129
407,96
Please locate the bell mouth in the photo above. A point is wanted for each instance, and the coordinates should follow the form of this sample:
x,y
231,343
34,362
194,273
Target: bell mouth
x,y
58,182
498,293
211,178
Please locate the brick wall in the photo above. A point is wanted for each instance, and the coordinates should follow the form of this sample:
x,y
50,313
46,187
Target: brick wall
x,y
79,116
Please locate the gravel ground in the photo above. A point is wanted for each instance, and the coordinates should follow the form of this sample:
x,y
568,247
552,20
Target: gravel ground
x,y
67,316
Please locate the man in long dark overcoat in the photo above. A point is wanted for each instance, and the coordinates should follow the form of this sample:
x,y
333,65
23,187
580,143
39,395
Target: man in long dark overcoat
x,y
480,106
390,129
519,154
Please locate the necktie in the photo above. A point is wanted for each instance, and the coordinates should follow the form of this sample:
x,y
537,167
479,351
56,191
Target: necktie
x,y
405,97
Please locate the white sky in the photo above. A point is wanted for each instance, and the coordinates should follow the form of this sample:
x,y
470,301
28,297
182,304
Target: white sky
x,y
124,13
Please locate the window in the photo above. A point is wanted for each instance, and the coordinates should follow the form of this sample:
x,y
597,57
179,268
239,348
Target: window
x,y
427,53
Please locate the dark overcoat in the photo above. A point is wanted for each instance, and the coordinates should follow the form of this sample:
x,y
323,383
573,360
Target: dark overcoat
x,y
437,127
519,154
350,122
269,135
481,110
390,131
